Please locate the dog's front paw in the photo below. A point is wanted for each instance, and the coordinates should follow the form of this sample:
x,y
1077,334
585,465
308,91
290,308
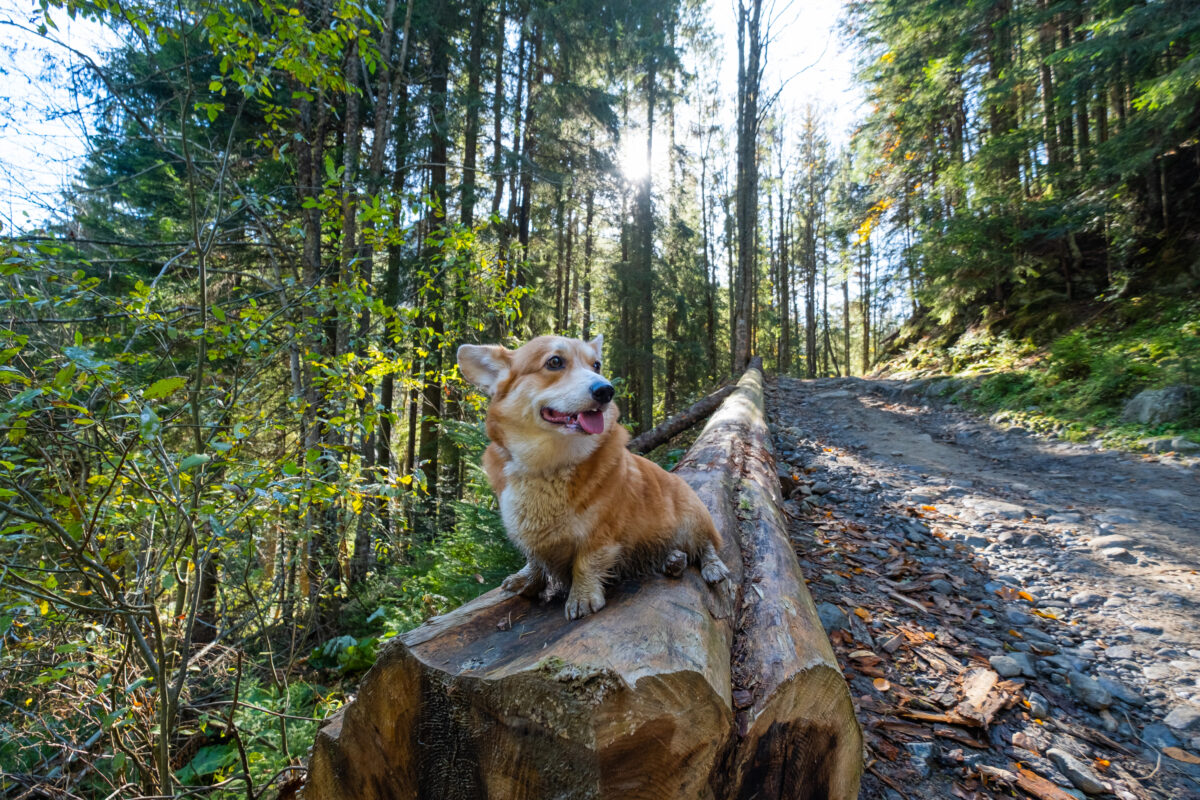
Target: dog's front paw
x,y
714,571
527,582
582,603
675,564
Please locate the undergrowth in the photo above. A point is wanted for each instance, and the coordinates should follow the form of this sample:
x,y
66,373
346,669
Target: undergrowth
x,y
1078,383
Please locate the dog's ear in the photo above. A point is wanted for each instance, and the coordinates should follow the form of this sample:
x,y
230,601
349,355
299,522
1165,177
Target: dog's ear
x,y
484,365
598,343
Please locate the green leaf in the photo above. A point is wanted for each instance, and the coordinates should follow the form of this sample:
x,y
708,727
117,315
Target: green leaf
x,y
165,387
194,460
290,468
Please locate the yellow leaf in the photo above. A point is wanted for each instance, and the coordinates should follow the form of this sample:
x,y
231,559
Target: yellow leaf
x,y
44,608
862,614
881,684
1025,596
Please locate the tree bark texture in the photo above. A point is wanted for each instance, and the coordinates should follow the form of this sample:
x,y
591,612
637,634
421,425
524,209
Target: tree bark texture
x,y
671,691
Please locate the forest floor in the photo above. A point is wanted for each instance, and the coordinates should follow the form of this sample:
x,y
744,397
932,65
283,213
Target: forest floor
x,y
1014,614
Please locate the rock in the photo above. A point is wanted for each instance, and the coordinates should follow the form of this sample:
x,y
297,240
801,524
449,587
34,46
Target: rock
x,y
821,487
1160,736
995,508
1170,444
832,617
1018,617
1185,446
977,542
1039,707
1112,540
1005,666
1119,554
1065,518
1086,599
1033,540
1156,406
1088,691
1077,772
1183,718
922,757
1121,692
1121,651
942,586
1157,672
1147,627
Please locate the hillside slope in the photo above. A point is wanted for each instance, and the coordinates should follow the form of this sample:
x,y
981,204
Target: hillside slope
x,y
1065,370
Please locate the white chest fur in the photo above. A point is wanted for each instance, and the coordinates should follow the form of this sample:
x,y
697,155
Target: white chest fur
x,y
536,512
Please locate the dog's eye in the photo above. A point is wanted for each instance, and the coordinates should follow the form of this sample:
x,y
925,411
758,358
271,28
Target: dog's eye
x,y
596,366
555,362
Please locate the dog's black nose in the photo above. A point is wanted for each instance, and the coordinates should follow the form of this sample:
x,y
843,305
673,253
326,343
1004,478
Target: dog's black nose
x,y
602,392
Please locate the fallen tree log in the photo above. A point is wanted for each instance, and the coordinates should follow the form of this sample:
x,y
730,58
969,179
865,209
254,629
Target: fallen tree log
x,y
668,692
677,424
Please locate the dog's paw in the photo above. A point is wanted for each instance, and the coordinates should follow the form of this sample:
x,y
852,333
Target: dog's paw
x,y
714,571
675,564
580,604
527,582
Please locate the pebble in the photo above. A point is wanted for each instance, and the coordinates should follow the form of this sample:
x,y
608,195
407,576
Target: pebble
x,y
1147,627
832,617
1158,672
1005,666
1112,540
1160,736
1119,554
1018,617
1183,718
1088,691
1039,706
1121,691
1077,772
1086,599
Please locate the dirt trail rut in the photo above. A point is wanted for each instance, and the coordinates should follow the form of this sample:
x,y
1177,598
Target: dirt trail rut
x,y
1050,586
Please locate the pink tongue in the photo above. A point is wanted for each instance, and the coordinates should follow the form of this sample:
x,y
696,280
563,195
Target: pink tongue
x,y
592,421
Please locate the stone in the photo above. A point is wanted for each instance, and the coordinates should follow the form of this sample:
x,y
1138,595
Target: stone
x,y
942,586
1160,736
1183,718
986,507
1039,706
1121,651
1086,599
832,617
1156,406
1018,617
821,487
1119,554
977,542
1005,666
921,754
1121,692
1080,774
1157,672
1033,540
1147,627
1111,540
1088,691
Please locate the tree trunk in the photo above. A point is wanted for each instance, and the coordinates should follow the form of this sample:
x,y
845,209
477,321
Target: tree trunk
x,y
673,426
506,698
749,78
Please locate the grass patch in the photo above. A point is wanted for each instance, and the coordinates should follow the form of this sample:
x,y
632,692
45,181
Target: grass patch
x,y
1077,385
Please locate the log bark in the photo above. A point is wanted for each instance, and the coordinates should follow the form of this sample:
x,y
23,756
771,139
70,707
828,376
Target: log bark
x,y
673,426
670,691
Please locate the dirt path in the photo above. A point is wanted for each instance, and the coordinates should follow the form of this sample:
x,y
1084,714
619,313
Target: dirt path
x,y
1051,587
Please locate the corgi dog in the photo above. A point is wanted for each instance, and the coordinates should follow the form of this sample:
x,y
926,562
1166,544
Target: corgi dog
x,y
580,507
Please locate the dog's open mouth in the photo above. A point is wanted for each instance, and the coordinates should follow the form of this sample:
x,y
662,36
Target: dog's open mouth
x,y
590,422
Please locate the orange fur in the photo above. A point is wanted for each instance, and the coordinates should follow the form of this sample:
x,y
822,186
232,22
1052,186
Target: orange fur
x,y
581,507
